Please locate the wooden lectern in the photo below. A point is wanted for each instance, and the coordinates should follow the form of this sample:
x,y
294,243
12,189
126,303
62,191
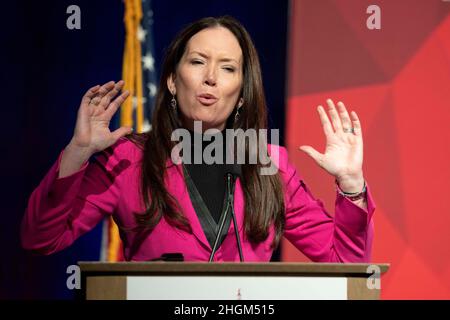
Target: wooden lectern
x,y
230,281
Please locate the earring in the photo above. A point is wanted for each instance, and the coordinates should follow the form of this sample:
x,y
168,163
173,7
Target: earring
x,y
173,103
236,115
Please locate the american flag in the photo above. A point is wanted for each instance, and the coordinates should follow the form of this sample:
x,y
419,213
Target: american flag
x,y
140,80
145,36
138,70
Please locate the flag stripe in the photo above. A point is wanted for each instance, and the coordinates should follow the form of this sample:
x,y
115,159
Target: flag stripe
x,y
139,75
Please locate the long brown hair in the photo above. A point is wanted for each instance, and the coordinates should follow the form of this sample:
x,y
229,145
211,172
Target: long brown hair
x,y
263,194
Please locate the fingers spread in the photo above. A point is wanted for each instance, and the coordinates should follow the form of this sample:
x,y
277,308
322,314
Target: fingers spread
x,y
345,118
100,93
327,128
92,91
336,120
106,88
356,124
90,94
113,106
313,153
111,94
122,131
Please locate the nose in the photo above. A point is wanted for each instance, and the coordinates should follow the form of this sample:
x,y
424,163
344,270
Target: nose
x,y
210,77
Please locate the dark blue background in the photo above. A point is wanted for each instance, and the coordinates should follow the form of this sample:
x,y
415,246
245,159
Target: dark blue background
x,y
46,68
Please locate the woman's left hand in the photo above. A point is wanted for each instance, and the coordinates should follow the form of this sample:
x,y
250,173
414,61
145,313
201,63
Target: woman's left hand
x,y
343,155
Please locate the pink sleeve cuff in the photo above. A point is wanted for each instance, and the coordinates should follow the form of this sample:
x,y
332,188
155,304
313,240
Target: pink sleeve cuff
x,y
350,216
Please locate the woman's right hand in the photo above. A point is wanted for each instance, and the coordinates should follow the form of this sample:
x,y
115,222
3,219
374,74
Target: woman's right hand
x,y
92,132
97,107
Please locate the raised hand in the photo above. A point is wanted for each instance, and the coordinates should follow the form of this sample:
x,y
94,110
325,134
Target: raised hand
x,y
343,156
94,115
92,132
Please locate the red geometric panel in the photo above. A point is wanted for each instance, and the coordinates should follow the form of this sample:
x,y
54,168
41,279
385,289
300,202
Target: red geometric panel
x,y
422,99
411,278
398,81
405,26
318,33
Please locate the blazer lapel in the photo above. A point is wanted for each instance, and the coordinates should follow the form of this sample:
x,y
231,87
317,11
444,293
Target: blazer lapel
x,y
176,185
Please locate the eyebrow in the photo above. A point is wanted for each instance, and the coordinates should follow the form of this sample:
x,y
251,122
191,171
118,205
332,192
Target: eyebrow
x,y
206,57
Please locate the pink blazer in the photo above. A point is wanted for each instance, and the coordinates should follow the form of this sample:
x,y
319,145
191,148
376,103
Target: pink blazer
x,y
61,210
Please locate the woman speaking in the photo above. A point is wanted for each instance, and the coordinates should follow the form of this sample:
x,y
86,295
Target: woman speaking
x,y
210,75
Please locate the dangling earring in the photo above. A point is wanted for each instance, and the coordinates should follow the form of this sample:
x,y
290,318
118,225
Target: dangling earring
x,y
236,116
173,103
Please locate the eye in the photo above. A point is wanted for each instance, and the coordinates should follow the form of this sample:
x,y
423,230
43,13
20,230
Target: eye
x,y
196,62
229,69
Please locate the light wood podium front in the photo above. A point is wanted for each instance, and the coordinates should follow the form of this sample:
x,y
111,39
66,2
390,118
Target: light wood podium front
x,y
230,281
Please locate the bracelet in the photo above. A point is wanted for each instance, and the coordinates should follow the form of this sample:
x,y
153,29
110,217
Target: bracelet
x,y
353,195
